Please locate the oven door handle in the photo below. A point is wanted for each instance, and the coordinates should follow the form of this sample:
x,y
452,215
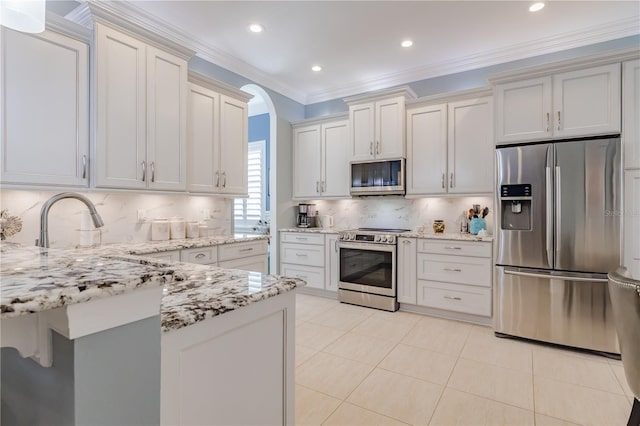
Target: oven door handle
x,y
367,246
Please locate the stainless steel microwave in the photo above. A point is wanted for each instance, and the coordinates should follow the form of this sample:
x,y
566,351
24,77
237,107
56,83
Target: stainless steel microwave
x,y
377,177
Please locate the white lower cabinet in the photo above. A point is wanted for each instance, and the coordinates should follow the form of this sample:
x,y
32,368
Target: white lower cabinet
x,y
406,278
632,222
169,256
201,255
454,276
312,257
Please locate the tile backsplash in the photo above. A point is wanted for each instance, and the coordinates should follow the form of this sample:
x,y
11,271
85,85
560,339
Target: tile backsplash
x,y
119,211
399,212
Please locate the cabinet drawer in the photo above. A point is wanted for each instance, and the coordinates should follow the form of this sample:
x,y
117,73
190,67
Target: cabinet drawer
x,y
455,297
462,248
474,271
302,238
240,250
302,254
312,275
169,256
203,255
253,264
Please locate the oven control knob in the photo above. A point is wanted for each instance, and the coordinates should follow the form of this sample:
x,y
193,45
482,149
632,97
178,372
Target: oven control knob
x,y
391,239
377,239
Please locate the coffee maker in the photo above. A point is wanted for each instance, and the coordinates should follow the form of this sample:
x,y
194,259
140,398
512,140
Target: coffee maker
x,y
306,215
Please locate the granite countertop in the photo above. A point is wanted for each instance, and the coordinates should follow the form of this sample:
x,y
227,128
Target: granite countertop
x,y
35,279
314,230
446,236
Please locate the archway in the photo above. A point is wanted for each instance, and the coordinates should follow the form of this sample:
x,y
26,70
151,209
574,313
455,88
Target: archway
x,y
264,103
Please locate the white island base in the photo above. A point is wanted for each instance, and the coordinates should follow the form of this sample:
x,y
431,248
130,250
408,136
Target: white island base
x,y
232,369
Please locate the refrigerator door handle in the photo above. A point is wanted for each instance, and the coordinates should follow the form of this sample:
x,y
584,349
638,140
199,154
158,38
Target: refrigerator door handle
x,y
558,207
549,218
554,277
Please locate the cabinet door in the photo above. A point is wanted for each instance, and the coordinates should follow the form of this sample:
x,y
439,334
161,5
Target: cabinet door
x,y
587,102
362,119
251,264
331,266
389,128
234,146
407,281
470,146
202,140
427,150
306,162
120,110
166,121
335,156
631,112
44,109
524,110
632,223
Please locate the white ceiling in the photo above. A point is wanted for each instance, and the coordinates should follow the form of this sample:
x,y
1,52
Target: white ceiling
x,y
358,42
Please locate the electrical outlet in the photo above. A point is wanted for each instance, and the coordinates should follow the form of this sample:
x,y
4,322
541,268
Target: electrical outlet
x,y
142,215
206,214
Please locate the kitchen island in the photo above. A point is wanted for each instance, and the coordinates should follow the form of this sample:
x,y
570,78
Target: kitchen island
x,y
116,338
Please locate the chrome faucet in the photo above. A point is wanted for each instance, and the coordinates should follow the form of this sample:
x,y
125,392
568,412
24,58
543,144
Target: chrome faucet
x,y
43,241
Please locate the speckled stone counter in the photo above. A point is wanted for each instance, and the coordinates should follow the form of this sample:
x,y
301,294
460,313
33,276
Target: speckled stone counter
x,y
314,230
446,236
35,279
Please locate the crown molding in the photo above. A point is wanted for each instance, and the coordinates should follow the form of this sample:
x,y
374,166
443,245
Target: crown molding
x,y
128,13
218,86
479,92
57,23
405,91
320,120
619,29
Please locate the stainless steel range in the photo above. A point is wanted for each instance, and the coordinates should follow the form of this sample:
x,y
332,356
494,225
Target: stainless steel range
x,y
367,259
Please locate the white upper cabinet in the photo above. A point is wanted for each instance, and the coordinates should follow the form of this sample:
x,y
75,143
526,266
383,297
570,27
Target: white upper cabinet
x,y
450,148
470,146
576,103
427,150
378,125
321,160
140,114
44,109
217,138
631,113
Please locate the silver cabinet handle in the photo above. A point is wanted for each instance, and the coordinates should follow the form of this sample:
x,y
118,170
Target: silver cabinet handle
x,y
153,171
558,120
84,167
453,269
451,181
377,147
371,148
453,298
301,255
406,241
246,250
301,238
324,183
144,170
548,121
443,178
453,248
217,179
318,186
224,179
200,255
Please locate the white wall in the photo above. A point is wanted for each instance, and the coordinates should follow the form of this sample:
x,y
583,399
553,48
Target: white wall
x,y
398,212
118,211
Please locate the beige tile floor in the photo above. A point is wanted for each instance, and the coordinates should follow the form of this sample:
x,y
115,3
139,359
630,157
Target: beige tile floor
x,y
359,366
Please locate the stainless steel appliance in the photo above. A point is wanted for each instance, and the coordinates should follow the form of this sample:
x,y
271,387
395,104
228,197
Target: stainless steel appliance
x,y
306,215
378,177
367,263
558,234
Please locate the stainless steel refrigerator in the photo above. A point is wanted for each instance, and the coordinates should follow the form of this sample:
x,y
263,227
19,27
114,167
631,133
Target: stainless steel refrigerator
x,y
558,234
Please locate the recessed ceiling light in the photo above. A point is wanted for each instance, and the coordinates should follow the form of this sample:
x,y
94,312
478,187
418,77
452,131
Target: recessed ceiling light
x,y
406,43
316,68
536,7
256,28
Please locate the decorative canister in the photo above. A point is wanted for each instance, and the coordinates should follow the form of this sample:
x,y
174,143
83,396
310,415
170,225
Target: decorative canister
x,y
177,228
192,229
438,226
159,230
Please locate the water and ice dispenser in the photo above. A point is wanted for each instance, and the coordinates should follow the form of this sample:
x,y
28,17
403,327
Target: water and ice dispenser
x,y
515,207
